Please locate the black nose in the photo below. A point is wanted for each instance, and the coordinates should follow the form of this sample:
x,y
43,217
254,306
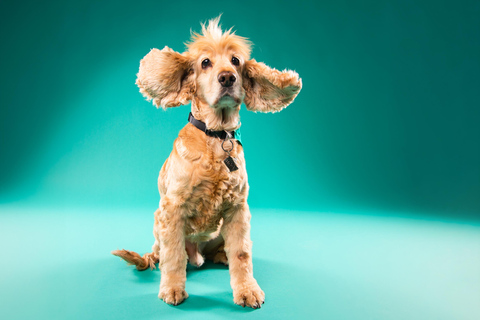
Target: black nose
x,y
226,78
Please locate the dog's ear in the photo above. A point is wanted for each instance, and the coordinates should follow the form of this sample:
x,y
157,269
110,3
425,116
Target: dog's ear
x,y
267,89
166,77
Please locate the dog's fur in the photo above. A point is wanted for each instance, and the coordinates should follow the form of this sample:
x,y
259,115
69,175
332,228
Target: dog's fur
x,y
203,210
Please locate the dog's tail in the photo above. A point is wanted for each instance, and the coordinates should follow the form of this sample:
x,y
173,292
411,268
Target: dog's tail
x,y
142,263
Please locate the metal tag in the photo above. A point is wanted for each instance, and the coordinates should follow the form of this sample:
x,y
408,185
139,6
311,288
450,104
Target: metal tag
x,y
230,163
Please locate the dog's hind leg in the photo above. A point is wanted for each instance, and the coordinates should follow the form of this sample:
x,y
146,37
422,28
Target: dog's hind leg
x,y
214,250
220,256
195,258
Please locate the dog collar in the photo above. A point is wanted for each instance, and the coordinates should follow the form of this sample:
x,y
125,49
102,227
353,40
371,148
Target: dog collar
x,y
216,134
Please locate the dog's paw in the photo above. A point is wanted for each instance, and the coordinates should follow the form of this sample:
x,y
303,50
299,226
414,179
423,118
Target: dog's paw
x,y
173,295
196,260
249,295
220,257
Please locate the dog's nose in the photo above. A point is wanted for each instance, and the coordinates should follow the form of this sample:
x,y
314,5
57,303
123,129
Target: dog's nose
x,y
226,78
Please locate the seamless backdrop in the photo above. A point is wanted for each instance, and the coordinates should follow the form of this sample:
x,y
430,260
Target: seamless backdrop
x,y
365,192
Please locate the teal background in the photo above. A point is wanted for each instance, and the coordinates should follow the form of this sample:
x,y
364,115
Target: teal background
x,y
365,191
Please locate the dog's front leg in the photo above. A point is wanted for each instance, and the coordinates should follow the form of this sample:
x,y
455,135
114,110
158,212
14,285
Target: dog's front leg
x,y
173,258
238,246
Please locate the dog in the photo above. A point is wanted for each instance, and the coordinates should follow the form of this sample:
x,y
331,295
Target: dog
x,y
203,210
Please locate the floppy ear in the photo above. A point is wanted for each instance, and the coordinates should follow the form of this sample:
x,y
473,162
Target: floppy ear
x,y
267,89
166,77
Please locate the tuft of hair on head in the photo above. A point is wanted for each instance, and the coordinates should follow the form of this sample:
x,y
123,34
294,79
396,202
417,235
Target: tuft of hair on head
x,y
213,38
214,29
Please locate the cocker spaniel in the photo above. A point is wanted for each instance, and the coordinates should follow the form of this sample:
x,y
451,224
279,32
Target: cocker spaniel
x,y
203,211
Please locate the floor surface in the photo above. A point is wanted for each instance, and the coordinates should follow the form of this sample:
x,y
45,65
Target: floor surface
x,y
311,265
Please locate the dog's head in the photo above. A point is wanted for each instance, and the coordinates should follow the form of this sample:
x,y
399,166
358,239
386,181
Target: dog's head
x,y
217,75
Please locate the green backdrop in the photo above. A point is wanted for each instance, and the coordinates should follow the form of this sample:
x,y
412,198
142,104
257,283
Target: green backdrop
x,y
388,116
387,122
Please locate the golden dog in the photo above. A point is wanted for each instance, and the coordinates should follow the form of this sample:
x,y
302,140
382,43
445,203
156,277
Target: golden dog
x,y
203,210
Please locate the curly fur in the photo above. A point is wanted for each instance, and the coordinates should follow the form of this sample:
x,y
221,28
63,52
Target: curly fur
x,y
203,211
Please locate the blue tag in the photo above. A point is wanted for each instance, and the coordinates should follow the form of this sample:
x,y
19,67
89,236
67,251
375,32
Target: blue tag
x,y
238,136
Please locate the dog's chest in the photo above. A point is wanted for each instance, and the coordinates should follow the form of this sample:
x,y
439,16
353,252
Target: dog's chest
x,y
196,178
216,191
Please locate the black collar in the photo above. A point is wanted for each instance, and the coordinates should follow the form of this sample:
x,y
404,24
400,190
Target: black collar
x,y
216,134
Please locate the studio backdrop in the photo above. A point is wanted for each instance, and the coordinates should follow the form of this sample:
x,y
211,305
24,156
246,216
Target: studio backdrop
x,y
388,117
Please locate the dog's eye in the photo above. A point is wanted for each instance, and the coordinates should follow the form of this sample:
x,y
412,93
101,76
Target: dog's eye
x,y
235,61
206,63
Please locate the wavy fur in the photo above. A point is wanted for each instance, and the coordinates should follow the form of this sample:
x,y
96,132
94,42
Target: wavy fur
x,y
203,211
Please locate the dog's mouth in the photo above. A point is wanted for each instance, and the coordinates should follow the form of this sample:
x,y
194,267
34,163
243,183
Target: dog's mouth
x,y
227,99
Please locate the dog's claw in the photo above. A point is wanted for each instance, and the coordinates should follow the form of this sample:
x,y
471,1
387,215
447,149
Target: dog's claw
x,y
251,296
173,296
